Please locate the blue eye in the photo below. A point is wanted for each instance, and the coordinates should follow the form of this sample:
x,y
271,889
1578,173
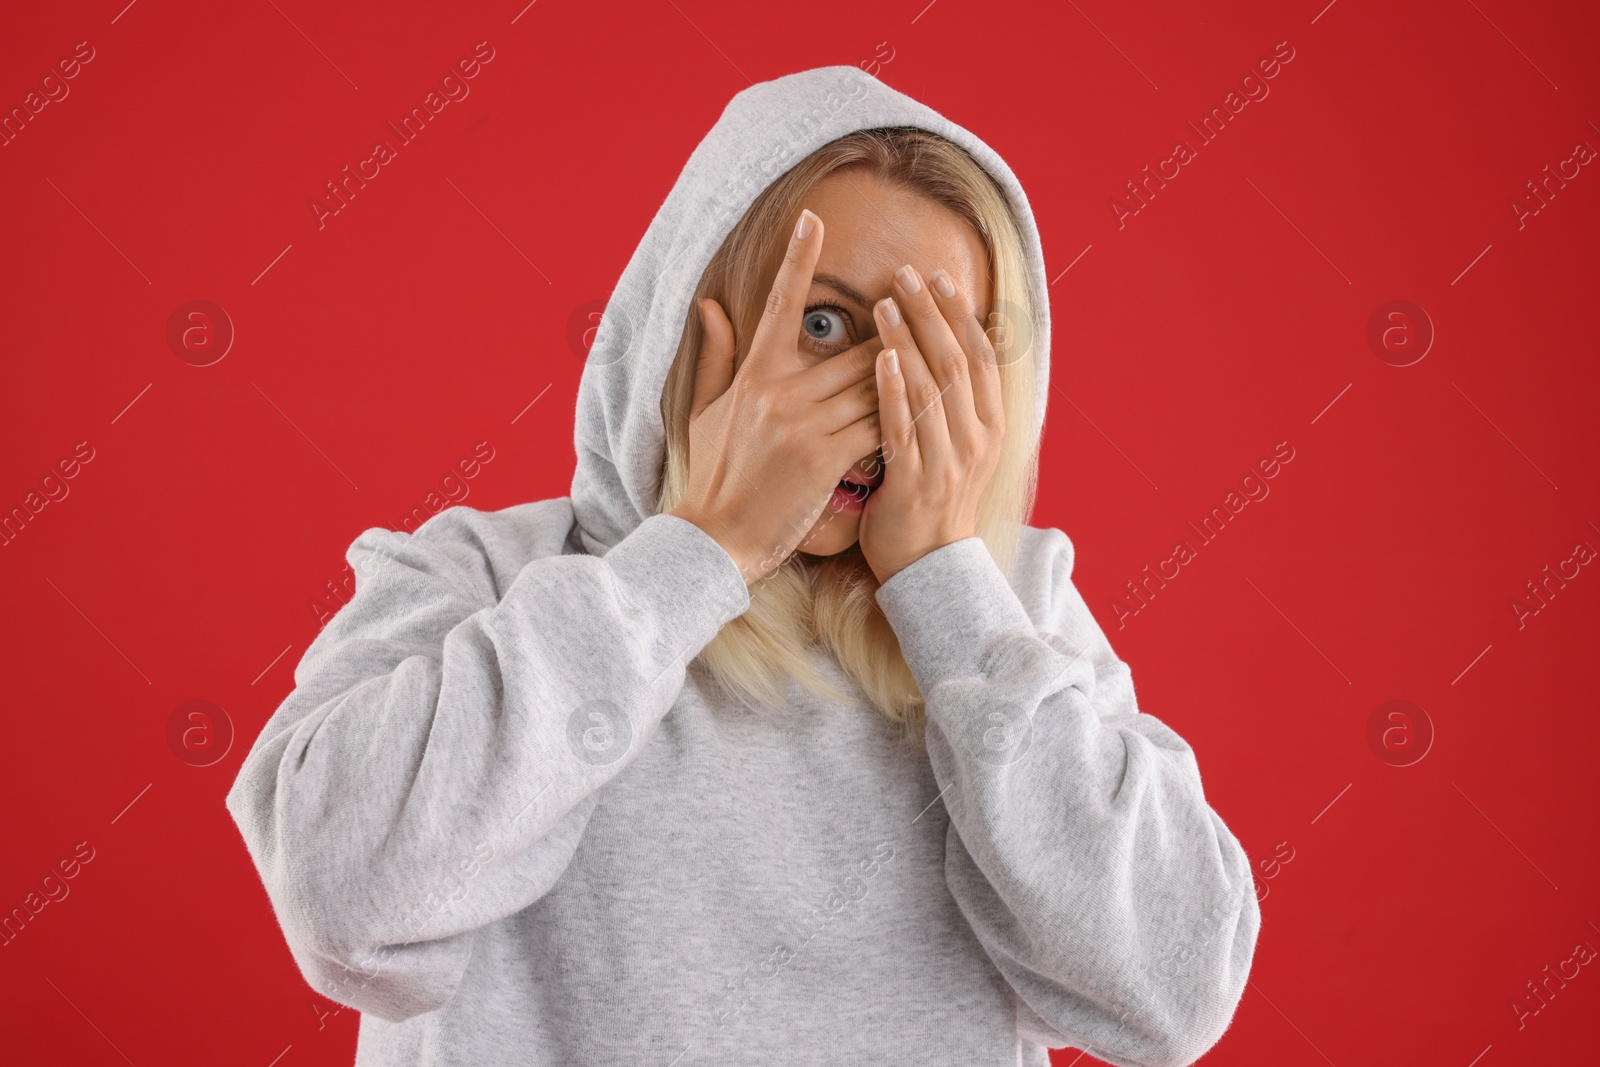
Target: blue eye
x,y
826,326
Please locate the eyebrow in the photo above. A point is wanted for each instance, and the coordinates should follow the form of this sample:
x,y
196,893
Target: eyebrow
x,y
840,286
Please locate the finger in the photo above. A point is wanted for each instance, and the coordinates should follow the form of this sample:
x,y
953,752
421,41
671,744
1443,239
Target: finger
x,y
930,434
861,437
899,442
714,366
780,322
850,404
945,356
982,366
837,373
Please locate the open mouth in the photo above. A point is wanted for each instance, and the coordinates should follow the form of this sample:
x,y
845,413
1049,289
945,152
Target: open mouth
x,y
857,491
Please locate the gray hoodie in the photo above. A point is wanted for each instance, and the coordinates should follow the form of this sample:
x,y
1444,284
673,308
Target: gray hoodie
x,y
505,816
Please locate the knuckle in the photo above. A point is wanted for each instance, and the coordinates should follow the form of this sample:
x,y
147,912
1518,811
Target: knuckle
x,y
775,302
984,349
955,365
975,339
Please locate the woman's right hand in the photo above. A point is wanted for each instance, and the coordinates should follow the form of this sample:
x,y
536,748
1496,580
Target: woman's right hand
x,y
767,446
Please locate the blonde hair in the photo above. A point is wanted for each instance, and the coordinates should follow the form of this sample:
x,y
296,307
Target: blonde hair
x,y
828,603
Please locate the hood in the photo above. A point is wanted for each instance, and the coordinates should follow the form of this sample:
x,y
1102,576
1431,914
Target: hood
x,y
765,130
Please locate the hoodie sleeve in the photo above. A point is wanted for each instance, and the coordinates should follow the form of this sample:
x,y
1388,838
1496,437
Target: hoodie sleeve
x,y
1111,897
438,759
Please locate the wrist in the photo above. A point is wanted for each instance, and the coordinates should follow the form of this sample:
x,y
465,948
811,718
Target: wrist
x,y
748,566
893,567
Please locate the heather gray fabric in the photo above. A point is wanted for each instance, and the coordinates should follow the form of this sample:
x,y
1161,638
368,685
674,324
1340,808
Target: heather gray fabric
x,y
505,816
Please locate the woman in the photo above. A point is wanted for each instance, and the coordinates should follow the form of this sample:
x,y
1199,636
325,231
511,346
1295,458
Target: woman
x,y
717,761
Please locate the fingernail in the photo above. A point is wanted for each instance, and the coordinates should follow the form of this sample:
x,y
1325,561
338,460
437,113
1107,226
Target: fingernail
x,y
891,313
909,280
802,228
892,361
941,282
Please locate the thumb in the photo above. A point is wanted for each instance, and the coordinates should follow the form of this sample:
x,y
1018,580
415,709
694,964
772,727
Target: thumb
x,y
714,365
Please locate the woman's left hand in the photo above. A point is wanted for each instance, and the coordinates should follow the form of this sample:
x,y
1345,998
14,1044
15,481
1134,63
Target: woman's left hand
x,y
942,421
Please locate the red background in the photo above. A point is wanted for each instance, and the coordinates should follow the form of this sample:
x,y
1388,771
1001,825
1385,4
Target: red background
x,y
1229,314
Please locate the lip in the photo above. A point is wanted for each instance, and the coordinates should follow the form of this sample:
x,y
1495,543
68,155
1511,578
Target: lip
x,y
844,500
